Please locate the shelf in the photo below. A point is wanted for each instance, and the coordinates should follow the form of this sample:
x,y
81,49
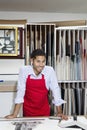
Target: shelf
x,y
73,81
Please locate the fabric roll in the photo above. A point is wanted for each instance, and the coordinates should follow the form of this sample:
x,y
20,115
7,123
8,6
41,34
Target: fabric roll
x,y
69,99
85,100
77,61
32,42
85,73
73,101
52,46
82,34
78,97
58,68
48,42
63,68
68,68
65,98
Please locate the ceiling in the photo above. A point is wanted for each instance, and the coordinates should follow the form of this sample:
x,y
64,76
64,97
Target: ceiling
x,y
55,6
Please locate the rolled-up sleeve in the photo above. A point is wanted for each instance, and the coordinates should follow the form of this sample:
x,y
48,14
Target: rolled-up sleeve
x,y
20,87
55,88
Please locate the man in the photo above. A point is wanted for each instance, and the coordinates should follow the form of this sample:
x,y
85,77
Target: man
x,y
34,82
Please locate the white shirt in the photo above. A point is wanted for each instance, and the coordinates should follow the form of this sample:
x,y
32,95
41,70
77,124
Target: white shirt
x,y
50,80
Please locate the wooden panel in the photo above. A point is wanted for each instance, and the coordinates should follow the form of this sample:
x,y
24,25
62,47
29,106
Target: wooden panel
x,y
8,86
68,23
13,21
71,23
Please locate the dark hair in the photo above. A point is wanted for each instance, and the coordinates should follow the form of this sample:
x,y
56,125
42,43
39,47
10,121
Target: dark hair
x,y
37,52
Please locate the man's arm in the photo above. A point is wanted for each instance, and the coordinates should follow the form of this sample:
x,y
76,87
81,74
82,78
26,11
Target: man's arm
x,y
59,109
60,113
15,112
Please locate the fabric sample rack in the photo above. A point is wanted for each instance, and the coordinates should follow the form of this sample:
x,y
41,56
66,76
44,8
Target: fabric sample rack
x,y
71,67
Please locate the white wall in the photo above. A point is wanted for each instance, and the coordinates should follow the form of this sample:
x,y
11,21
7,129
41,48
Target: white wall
x,y
9,68
6,105
42,17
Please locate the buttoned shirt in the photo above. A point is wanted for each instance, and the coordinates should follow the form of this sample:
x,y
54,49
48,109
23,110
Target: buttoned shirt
x,y
50,80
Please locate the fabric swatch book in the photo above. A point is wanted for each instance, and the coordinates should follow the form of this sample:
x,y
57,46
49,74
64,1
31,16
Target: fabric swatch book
x,y
80,122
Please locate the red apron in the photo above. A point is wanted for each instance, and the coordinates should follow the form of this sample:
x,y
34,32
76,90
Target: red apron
x,y
36,98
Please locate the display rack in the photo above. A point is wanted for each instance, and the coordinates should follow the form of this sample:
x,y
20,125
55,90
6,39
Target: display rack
x,y
70,66
41,36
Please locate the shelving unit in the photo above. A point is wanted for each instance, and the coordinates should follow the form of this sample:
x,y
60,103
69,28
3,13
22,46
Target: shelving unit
x,y
41,36
70,66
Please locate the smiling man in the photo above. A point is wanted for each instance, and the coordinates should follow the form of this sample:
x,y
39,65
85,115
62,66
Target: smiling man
x,y
34,83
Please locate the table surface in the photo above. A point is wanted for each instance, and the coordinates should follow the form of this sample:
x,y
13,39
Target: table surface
x,y
37,123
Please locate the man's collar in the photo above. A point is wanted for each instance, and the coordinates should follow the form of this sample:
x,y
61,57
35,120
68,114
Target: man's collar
x,y
32,72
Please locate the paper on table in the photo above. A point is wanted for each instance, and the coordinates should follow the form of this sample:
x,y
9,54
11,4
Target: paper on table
x,y
80,122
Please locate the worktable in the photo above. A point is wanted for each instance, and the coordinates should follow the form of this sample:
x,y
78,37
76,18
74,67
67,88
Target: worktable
x,y
39,123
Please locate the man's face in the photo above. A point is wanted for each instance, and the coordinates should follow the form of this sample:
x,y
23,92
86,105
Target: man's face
x,y
38,64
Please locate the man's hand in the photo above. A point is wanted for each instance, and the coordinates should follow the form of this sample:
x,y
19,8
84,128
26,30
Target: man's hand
x,y
11,116
63,117
60,114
